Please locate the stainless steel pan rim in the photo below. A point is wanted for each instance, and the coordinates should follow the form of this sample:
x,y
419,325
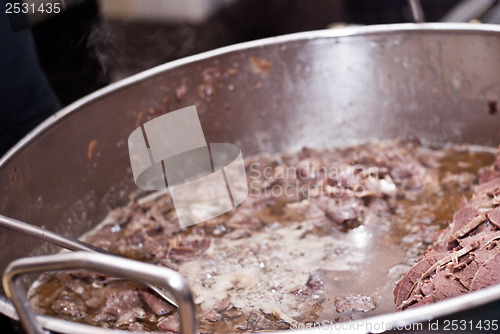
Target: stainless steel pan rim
x,y
420,314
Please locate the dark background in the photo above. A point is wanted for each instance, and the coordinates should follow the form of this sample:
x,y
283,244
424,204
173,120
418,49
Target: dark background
x,y
80,52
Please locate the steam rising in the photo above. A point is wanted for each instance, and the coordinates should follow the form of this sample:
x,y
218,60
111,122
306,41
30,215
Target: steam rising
x,y
123,48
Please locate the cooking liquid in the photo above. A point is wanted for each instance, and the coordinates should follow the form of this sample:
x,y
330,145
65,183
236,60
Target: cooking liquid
x,y
358,263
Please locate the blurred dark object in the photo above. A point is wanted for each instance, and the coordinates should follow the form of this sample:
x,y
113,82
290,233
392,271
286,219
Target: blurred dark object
x,y
394,11
10,326
26,97
18,21
66,55
485,11
133,46
82,52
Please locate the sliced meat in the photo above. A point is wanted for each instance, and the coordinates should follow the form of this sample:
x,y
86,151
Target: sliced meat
x,y
461,218
261,322
157,305
472,240
266,264
494,217
466,274
117,304
418,300
351,211
406,285
309,168
70,304
488,274
446,286
490,188
188,250
169,323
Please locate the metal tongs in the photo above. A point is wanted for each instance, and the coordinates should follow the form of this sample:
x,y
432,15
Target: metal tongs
x,y
106,262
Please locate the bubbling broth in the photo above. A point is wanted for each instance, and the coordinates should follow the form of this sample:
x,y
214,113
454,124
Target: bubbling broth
x,y
324,235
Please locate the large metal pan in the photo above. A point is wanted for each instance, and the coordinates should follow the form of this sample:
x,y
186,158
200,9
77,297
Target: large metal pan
x,y
436,82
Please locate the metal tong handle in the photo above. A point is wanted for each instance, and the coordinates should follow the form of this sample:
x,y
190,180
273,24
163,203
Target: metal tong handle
x,y
107,264
68,243
49,236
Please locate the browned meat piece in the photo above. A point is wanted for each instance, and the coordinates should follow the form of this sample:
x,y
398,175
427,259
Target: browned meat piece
x,y
348,211
466,275
406,285
494,217
485,237
484,254
461,218
70,304
490,188
169,323
447,286
246,217
427,289
107,236
262,322
488,274
418,300
210,316
313,287
401,172
157,305
246,220
309,168
117,304
188,250
133,327
406,172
